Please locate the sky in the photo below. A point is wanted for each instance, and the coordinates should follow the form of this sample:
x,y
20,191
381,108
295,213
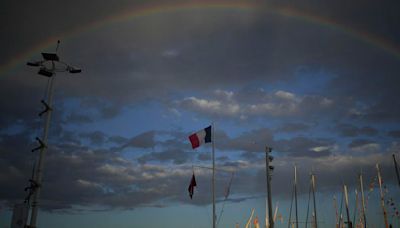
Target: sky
x,y
315,80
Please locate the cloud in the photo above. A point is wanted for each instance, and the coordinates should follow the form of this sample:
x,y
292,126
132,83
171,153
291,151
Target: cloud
x,y
212,107
394,134
364,146
176,156
349,130
293,127
241,105
143,140
95,138
302,146
105,178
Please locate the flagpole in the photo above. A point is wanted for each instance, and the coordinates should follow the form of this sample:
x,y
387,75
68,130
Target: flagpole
x,y
213,172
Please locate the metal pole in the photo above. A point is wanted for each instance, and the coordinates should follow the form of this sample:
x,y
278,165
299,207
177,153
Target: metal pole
x,y
382,197
271,221
313,191
40,166
363,201
213,173
397,169
295,195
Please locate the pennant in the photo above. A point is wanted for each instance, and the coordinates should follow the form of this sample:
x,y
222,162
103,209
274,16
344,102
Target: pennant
x,y
191,186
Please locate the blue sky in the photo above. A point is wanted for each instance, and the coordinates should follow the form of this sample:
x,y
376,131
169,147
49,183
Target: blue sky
x,y
318,82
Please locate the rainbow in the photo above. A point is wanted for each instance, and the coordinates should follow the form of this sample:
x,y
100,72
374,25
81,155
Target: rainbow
x,y
240,5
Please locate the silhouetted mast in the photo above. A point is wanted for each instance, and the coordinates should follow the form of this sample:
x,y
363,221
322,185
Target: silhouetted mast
x,y
349,223
268,173
364,218
396,168
295,196
382,196
49,66
313,192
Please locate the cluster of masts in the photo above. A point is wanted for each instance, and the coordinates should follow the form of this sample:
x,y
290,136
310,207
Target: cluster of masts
x,y
359,219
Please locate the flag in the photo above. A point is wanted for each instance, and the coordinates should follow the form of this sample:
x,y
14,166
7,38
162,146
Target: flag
x,y
191,186
200,137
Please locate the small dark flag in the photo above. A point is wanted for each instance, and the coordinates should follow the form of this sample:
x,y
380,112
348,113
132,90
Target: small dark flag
x,y
191,186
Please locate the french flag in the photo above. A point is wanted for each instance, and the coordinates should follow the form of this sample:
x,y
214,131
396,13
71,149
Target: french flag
x,y
200,137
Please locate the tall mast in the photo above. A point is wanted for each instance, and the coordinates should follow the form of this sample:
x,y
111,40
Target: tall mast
x,y
336,211
397,169
213,174
39,170
291,207
269,168
295,195
276,211
48,69
355,208
266,214
349,224
362,201
315,207
382,197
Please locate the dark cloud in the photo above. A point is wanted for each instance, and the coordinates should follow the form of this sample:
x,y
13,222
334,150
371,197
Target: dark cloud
x,y
76,118
302,146
349,130
176,156
117,139
95,138
251,141
364,146
394,134
293,127
359,142
143,140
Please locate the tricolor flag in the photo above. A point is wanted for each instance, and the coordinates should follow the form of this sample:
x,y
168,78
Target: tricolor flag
x,y
191,186
200,137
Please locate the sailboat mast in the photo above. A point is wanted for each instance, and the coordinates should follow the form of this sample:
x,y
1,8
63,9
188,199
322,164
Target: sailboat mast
x,y
213,174
266,214
313,192
382,197
349,224
336,211
267,170
362,200
355,208
397,169
295,195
